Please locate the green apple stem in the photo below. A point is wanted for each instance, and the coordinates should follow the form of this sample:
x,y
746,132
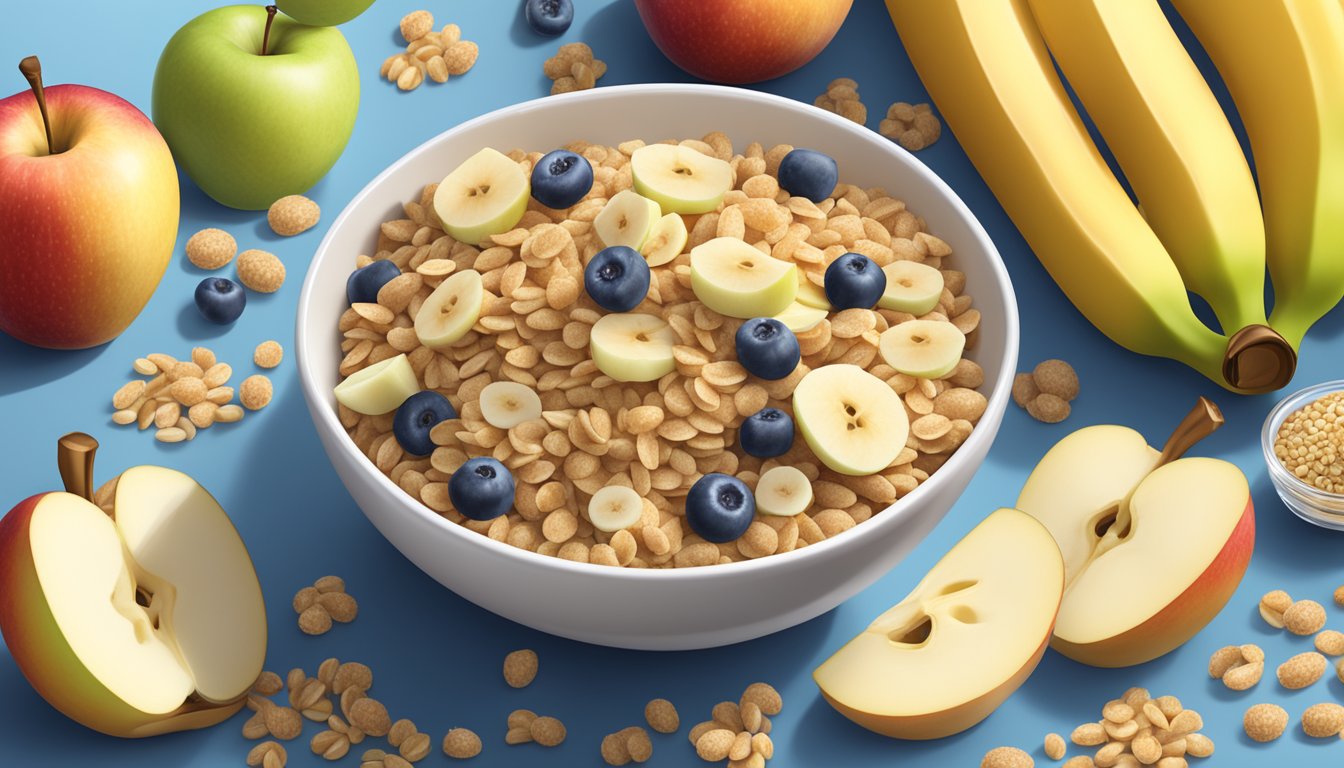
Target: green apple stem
x,y
74,459
32,72
266,36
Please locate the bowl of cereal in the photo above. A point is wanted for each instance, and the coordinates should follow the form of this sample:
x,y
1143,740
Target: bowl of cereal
x,y
1301,442
697,401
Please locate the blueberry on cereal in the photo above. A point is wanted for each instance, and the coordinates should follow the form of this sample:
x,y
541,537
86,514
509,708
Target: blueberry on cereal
x,y
766,433
481,489
561,178
617,278
854,281
364,283
416,416
719,507
767,348
549,17
808,173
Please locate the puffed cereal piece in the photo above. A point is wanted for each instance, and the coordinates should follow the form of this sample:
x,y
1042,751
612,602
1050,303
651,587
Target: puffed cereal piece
x,y
292,214
261,271
211,248
268,354
255,392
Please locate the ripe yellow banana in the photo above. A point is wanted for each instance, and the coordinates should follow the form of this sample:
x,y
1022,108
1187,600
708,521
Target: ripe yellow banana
x,y
1283,62
987,68
1173,142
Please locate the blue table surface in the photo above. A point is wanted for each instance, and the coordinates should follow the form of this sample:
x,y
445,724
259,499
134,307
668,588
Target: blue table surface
x,y
437,657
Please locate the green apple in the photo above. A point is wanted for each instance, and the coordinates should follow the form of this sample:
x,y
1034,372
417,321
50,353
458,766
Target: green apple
x,y
251,127
627,219
486,195
929,349
911,287
380,388
812,295
680,179
667,238
451,310
799,317
852,420
322,13
734,279
633,347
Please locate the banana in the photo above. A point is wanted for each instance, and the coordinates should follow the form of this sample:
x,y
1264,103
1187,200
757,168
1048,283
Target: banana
x,y
380,388
929,349
1283,62
783,491
506,404
632,347
853,421
1173,143
614,507
988,70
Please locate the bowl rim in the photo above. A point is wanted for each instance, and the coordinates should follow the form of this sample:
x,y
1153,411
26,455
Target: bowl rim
x,y
326,419
1290,404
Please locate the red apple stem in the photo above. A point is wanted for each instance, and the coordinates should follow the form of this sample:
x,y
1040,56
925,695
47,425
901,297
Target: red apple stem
x,y
266,36
32,72
1202,420
74,459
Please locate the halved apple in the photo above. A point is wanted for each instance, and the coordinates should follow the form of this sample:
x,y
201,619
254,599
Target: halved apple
x,y
957,646
1154,547
141,621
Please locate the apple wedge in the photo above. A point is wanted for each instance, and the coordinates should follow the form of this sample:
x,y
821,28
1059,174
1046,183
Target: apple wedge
x,y
141,621
957,646
1154,545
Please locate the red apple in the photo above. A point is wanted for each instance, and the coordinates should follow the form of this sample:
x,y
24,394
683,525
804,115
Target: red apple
x,y
86,226
742,41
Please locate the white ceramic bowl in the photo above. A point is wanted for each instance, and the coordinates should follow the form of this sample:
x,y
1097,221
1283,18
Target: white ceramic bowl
x,y
672,608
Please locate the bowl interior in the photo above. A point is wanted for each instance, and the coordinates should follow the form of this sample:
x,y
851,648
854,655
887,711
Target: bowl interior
x,y
611,115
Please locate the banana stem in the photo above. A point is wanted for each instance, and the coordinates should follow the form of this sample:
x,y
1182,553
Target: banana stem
x,y
1258,359
74,459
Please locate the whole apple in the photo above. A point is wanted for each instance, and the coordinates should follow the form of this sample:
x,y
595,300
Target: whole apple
x,y
250,128
742,41
322,13
86,226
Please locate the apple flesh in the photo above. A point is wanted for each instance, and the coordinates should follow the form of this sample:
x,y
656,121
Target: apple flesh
x,y
86,231
1153,551
741,41
251,128
961,643
141,622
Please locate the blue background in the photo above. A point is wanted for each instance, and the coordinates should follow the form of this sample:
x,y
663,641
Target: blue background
x,y
436,658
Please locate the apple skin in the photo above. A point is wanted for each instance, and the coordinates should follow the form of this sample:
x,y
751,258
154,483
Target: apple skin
x,y
45,658
85,234
250,129
742,41
1182,618
322,13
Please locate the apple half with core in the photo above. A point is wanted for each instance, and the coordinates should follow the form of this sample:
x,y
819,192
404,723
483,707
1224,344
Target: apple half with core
x,y
137,618
1154,545
88,213
255,106
961,643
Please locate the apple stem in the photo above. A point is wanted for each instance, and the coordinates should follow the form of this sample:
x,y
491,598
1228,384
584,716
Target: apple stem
x,y
74,459
1202,420
266,36
32,71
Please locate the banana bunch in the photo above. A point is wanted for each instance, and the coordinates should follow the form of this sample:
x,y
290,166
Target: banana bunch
x,y
1200,225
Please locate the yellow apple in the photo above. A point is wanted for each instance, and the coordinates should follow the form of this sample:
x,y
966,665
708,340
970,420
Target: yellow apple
x,y
956,647
1153,549
135,620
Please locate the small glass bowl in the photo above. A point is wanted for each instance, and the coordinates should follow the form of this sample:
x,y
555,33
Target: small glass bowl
x,y
1306,501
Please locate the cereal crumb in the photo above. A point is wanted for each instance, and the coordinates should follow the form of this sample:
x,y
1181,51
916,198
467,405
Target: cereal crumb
x,y
261,271
1273,605
1024,389
764,696
1339,596
268,754
461,744
662,716
1057,378
1304,617
1330,642
1301,670
268,354
1306,444
547,731
1323,720
211,249
1265,722
573,68
913,126
292,214
1055,746
1007,757
1048,408
842,98
255,392
520,668
416,25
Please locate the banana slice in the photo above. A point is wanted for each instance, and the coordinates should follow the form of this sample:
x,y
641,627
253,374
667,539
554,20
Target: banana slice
x,y
506,404
484,196
812,295
911,287
626,219
783,491
614,507
633,347
681,179
666,240
734,279
851,419
929,349
799,317
380,388
451,310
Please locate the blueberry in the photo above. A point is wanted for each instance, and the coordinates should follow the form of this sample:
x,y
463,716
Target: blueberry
x,y
617,278
766,433
549,17
767,348
363,284
416,416
808,173
854,280
561,179
220,300
719,507
481,489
